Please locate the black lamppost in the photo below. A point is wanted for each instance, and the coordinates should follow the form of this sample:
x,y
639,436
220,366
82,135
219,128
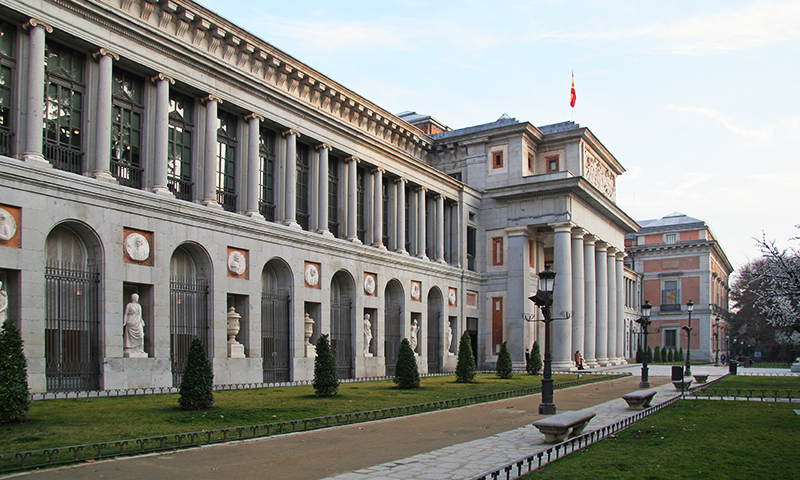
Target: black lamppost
x,y
687,372
711,307
544,300
645,322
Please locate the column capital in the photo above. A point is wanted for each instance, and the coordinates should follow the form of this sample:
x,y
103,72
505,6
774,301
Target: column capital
x,y
104,52
35,22
621,256
611,250
579,232
601,245
440,195
211,98
401,180
324,146
590,239
379,169
291,131
353,159
162,76
562,227
254,116
421,188
517,231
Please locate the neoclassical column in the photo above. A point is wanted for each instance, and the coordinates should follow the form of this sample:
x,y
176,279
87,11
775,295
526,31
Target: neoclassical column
x,y
590,297
421,224
413,223
401,216
601,334
290,195
440,229
210,165
518,286
161,144
322,226
352,199
377,208
612,305
620,308
456,240
578,294
34,106
253,164
391,214
562,296
105,79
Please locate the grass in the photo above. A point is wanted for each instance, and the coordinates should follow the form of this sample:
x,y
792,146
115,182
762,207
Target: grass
x,y
741,385
64,422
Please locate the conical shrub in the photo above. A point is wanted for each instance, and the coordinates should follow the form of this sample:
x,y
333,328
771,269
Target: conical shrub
x,y
465,368
505,367
15,399
326,376
197,380
406,370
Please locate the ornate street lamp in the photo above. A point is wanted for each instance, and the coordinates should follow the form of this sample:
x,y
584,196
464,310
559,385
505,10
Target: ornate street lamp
x,y
645,322
544,300
687,372
712,308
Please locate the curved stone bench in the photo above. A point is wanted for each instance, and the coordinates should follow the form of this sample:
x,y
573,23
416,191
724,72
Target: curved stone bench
x,y
558,427
701,378
639,400
685,384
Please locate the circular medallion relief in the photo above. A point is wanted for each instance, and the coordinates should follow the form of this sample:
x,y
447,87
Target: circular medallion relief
x,y
415,291
451,297
237,264
8,227
312,275
137,247
369,284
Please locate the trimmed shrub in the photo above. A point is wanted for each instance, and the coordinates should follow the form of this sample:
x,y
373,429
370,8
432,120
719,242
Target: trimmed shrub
x,y
639,354
406,370
680,357
535,360
465,368
326,377
505,367
670,355
657,354
649,355
15,399
663,355
197,381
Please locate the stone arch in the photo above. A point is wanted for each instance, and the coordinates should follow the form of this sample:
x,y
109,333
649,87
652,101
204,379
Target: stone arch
x,y
342,324
434,329
394,314
276,321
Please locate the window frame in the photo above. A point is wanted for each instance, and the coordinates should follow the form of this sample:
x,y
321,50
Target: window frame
x,y
548,161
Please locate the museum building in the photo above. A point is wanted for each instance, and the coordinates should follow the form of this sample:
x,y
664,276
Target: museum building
x,y
167,175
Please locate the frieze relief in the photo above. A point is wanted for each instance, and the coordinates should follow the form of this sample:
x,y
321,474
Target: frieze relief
x,y
599,175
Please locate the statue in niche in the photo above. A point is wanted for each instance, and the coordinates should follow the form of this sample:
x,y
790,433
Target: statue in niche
x,y
413,339
367,335
137,247
3,304
134,329
448,338
8,227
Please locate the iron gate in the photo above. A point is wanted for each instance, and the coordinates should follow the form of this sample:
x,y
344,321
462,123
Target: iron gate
x,y
275,337
391,342
72,327
188,319
434,340
342,337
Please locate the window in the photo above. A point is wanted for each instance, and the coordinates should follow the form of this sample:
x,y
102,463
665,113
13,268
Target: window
x,y
552,164
333,196
497,159
670,295
671,238
497,324
303,169
531,252
179,155
126,129
266,151
226,161
530,163
497,251
472,249
63,113
671,339
455,175
7,65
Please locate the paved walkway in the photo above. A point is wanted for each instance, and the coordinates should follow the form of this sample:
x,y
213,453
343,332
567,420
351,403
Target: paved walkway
x,y
457,443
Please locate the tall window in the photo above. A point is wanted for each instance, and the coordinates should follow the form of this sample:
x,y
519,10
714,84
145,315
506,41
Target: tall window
x,y
670,295
179,156
303,169
7,65
266,151
497,159
333,196
226,161
472,249
126,129
552,164
63,113
671,339
497,251
671,238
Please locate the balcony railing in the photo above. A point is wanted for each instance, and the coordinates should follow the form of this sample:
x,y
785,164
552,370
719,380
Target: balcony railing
x,y
267,209
64,158
227,200
126,174
182,189
6,138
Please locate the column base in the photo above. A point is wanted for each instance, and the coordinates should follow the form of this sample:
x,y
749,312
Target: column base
x,y
401,251
325,232
591,363
254,214
442,261
423,257
36,159
603,362
563,365
104,176
293,224
355,240
163,191
379,246
211,203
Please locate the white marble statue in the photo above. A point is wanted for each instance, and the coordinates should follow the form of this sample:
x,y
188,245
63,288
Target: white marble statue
x,y
413,338
134,329
3,304
448,338
367,335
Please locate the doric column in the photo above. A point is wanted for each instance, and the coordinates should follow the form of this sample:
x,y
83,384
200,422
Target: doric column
x,y
253,164
590,297
102,152
612,305
421,224
620,308
562,296
352,199
401,216
578,294
290,195
34,106
413,223
601,333
161,143
377,208
391,214
440,228
322,226
518,286
210,164
456,240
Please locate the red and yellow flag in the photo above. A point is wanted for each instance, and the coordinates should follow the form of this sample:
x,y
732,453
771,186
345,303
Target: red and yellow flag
x,y
572,96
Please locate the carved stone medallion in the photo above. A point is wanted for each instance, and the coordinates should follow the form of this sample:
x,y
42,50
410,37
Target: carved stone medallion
x,y
137,247
369,284
415,291
237,263
311,275
451,297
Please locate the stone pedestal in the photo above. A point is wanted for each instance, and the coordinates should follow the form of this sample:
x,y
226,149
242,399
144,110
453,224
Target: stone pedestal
x,y
130,353
235,349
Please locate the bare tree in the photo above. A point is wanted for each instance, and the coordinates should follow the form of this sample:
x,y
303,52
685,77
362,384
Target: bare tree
x,y
779,295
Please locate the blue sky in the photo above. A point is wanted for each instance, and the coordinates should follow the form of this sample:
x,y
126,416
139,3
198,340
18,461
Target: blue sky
x,y
699,101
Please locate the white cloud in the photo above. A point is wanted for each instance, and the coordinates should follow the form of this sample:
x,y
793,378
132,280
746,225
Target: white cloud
x,y
761,135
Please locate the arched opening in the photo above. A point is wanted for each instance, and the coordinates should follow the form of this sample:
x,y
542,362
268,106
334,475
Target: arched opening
x,y
188,313
342,288
435,305
276,281
393,309
72,323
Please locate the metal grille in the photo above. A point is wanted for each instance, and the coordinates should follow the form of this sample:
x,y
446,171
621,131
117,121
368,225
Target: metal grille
x,y
63,158
6,137
126,173
341,337
275,337
188,319
182,189
72,326
434,340
394,336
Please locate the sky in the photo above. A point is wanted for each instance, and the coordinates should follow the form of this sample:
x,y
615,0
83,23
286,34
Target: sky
x,y
699,101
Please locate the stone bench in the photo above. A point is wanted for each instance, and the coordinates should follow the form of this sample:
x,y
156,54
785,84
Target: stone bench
x,y
701,378
558,427
639,400
685,384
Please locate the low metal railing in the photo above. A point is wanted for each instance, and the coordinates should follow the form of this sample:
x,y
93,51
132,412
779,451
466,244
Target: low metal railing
x,y
763,394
